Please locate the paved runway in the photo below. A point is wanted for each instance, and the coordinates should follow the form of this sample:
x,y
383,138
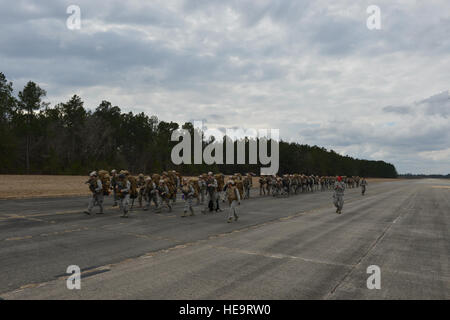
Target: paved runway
x,y
280,248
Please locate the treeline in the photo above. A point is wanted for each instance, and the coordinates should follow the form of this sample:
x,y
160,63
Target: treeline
x,y
424,176
68,139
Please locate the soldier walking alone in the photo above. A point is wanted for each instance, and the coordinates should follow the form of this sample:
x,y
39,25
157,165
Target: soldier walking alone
x,y
338,196
363,184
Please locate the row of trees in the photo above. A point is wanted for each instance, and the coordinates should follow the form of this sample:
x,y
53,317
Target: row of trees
x,y
424,176
68,139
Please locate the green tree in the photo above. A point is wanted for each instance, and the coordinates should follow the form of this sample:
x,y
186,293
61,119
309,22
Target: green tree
x,y
68,139
7,107
30,100
73,117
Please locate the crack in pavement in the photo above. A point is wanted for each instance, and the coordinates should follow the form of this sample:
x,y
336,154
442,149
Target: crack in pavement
x,y
371,247
214,236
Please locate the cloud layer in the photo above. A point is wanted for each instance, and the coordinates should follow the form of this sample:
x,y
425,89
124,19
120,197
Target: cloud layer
x,y
310,68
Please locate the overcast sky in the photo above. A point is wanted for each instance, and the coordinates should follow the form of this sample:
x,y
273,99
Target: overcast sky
x,y
310,68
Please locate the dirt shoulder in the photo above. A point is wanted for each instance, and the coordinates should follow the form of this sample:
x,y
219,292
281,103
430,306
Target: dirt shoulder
x,y
36,186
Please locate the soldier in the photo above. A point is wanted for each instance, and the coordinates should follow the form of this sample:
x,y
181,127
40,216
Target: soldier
x,y
247,185
123,188
173,183
269,184
211,192
239,184
133,192
285,185
104,177
234,198
304,180
220,178
311,183
188,194
322,183
294,183
363,184
172,190
338,196
164,195
151,193
156,178
113,185
141,189
262,185
277,187
194,183
316,183
95,185
202,189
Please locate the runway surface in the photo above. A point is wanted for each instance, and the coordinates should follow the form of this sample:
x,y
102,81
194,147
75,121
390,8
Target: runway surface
x,y
280,248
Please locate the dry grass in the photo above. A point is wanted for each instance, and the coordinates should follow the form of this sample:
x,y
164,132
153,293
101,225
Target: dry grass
x,y
383,179
30,186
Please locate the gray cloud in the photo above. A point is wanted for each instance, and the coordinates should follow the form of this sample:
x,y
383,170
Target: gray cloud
x,y
438,104
398,109
310,68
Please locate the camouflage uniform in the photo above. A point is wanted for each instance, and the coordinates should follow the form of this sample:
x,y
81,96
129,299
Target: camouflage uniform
x,y
141,188
188,194
262,185
338,196
363,184
113,186
123,188
202,188
211,193
247,186
164,195
95,185
151,194
234,199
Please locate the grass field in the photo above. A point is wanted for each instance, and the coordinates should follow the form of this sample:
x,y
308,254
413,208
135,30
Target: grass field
x,y
32,186
29,186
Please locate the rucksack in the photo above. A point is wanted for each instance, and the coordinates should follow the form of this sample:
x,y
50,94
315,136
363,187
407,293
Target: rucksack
x,y
106,181
231,193
133,187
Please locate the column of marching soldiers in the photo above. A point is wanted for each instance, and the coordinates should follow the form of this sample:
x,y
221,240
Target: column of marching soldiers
x,y
208,190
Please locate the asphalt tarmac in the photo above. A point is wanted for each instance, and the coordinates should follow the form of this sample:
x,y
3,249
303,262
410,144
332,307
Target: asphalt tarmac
x,y
280,248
